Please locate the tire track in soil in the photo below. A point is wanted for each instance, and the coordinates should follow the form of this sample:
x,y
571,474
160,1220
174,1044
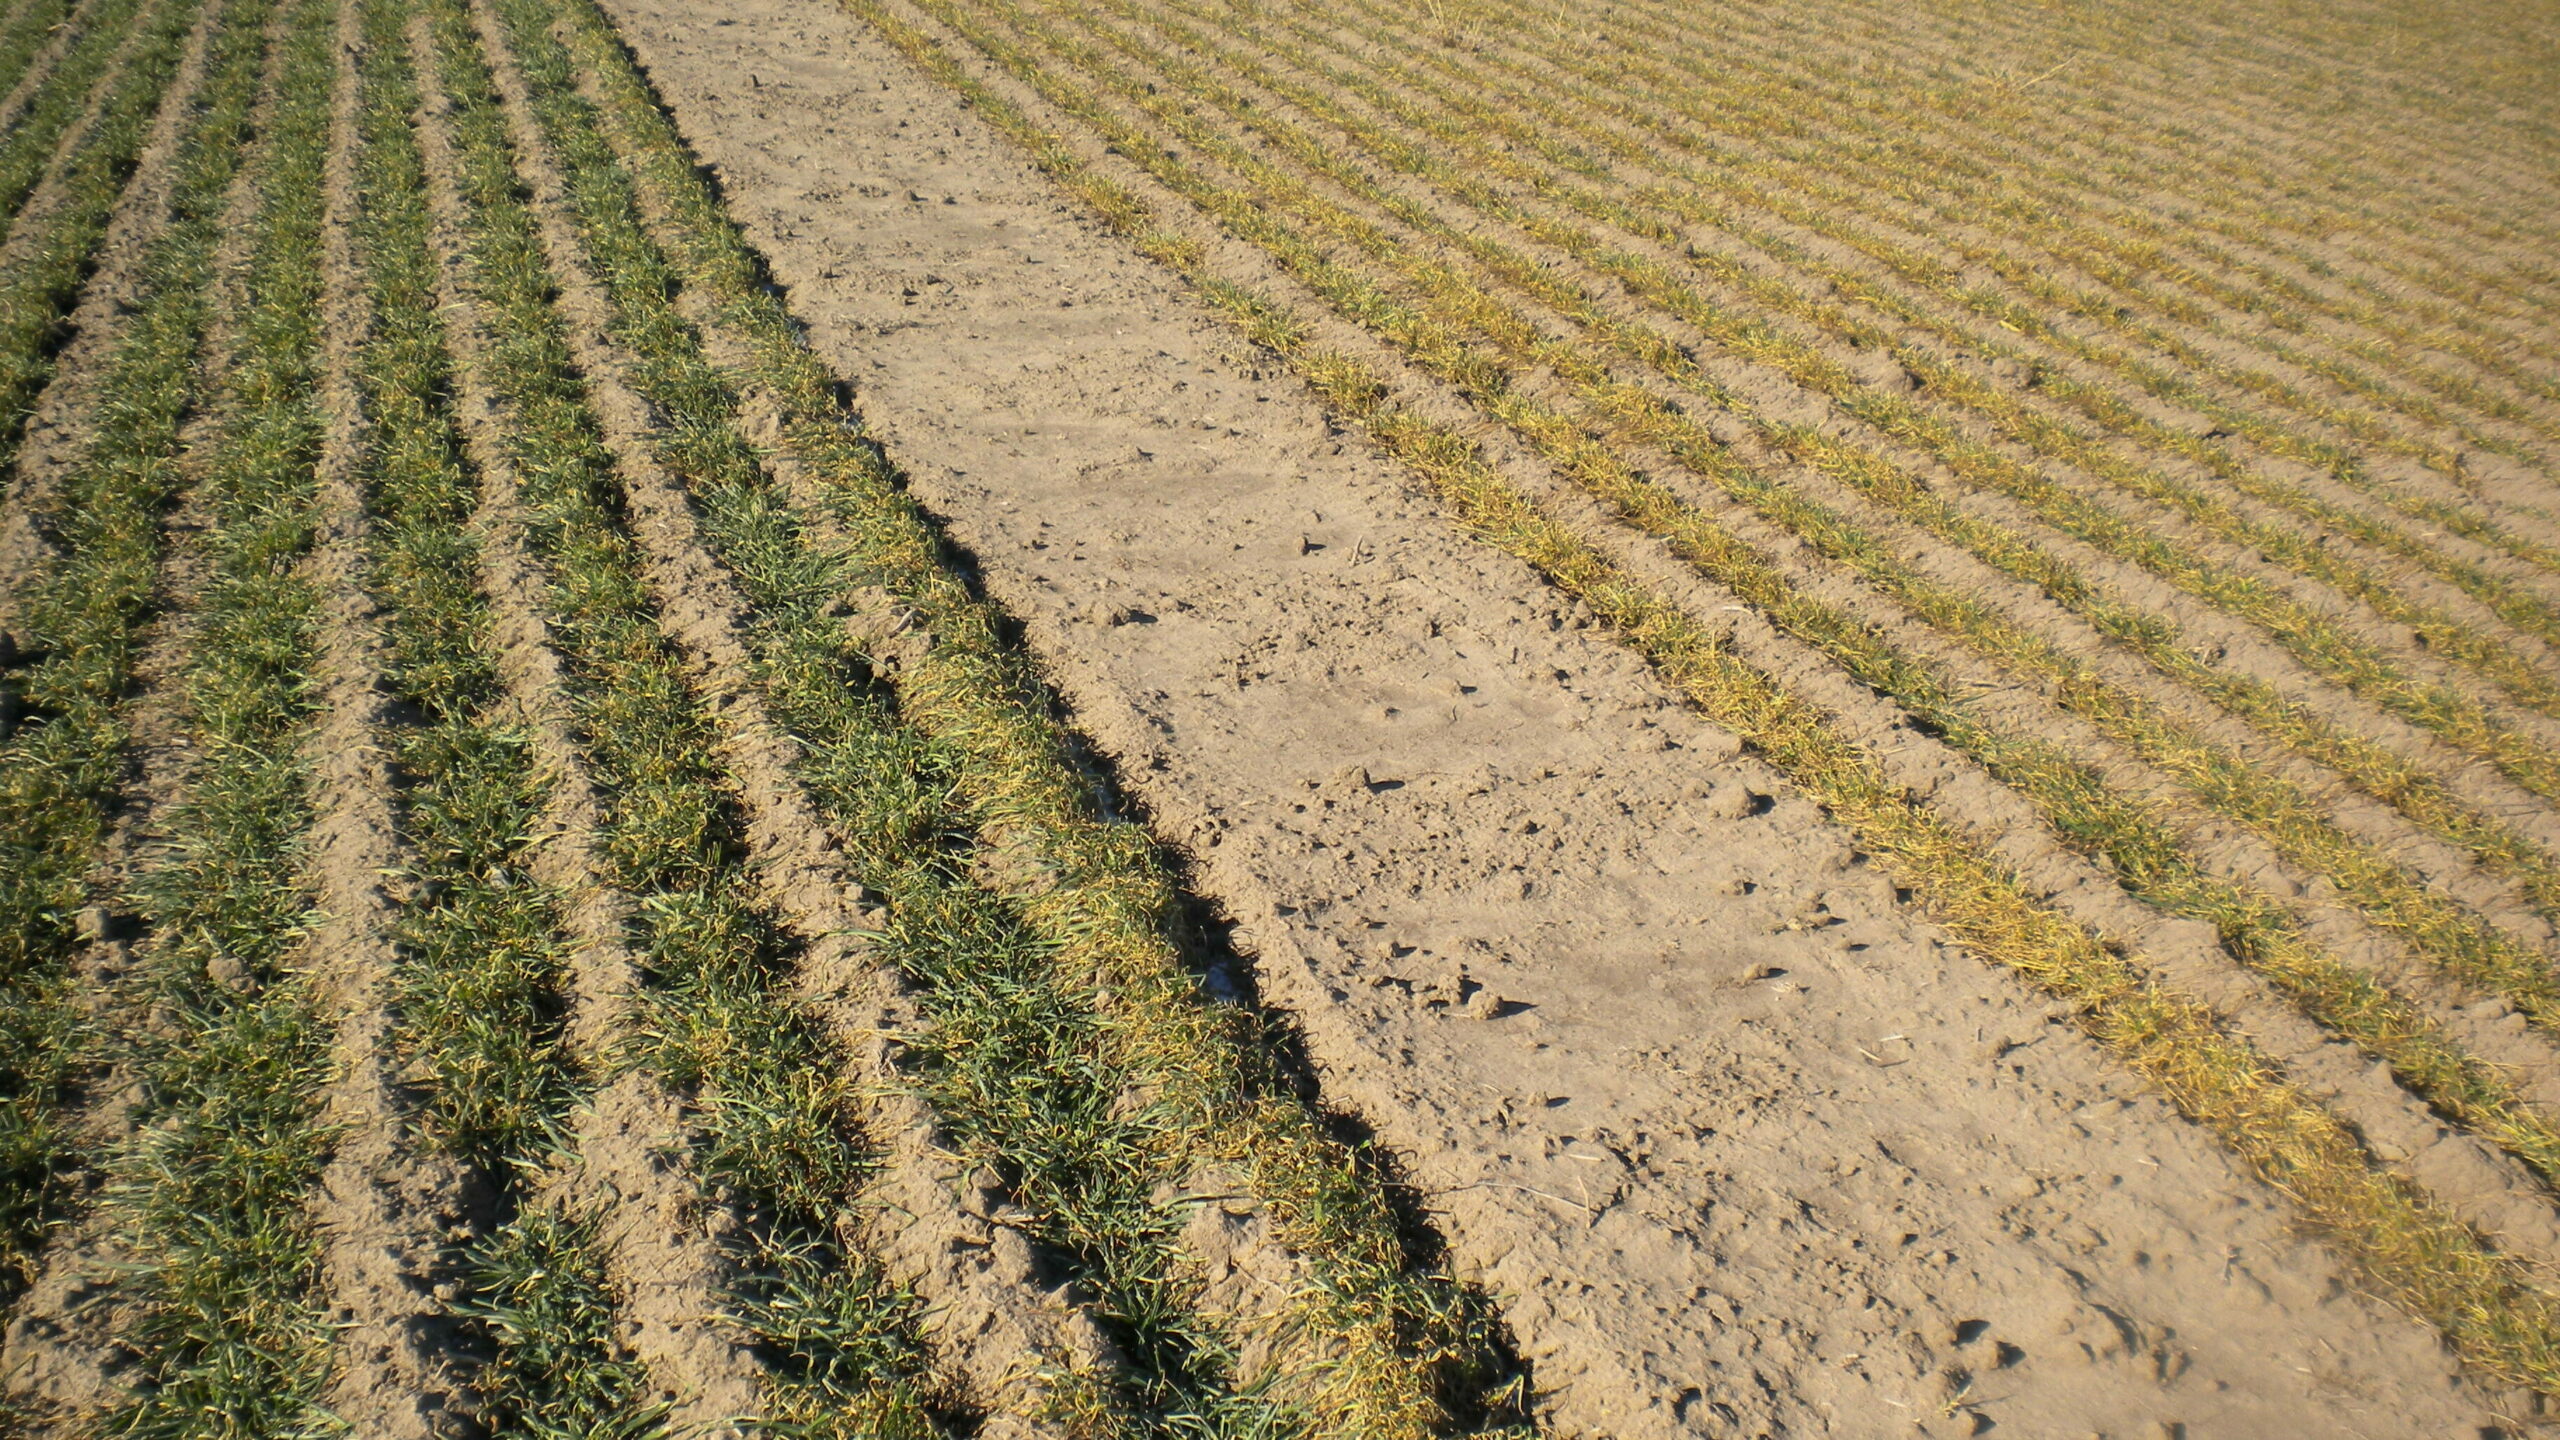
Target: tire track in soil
x,y
1131,684
995,1325
386,1204
58,1359
663,1257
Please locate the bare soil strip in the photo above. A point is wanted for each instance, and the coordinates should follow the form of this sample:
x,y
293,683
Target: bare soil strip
x,y
1127,521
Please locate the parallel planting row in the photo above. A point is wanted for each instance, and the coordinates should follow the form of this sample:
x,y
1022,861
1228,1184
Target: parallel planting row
x,y
471,809
2201,508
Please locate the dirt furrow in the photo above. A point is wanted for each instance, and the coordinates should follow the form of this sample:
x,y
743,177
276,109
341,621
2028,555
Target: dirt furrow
x,y
996,1326
387,1204
1242,704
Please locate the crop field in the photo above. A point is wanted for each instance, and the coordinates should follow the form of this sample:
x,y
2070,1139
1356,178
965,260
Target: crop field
x,y
714,719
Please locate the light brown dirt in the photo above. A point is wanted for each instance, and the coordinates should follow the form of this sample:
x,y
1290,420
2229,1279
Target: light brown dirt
x,y
1745,1147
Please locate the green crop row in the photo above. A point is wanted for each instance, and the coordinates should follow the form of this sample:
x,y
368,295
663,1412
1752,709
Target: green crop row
x,y
482,956
773,1106
210,1195
80,613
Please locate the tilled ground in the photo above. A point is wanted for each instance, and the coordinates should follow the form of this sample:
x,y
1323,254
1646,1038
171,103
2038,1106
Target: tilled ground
x,y
1344,719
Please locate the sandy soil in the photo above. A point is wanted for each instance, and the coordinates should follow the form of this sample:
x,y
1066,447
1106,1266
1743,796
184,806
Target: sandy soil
x,y
1743,1146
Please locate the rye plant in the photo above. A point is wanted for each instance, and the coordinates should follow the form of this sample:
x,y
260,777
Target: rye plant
x,y
212,1193
773,1106
79,619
